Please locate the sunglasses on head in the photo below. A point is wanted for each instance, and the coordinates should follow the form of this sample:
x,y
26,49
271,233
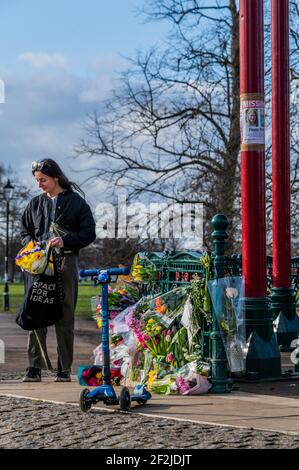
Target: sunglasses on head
x,y
37,166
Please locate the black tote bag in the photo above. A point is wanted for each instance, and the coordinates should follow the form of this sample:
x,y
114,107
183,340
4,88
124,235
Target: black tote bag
x,y
42,305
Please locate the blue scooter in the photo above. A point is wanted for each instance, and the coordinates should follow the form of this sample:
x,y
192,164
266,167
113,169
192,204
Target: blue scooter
x,y
106,392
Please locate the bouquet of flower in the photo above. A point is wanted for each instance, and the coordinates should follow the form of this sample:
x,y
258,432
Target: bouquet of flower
x,y
143,270
201,300
192,378
169,306
158,339
119,298
93,375
35,259
149,340
165,385
227,294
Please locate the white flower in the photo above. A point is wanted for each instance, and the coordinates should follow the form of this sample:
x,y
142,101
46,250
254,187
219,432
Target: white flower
x,y
232,292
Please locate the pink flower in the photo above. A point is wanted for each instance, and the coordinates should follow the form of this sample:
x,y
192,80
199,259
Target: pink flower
x,y
133,323
182,385
141,340
170,357
113,314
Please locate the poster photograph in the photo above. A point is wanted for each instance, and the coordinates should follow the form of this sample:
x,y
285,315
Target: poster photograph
x,y
252,122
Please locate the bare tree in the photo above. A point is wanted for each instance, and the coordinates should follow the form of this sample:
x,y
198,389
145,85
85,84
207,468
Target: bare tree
x,y
21,196
171,130
294,123
294,77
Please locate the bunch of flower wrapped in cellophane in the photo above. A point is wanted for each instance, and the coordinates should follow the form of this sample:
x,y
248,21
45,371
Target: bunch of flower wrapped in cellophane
x,y
143,270
93,375
119,298
162,335
192,378
36,259
152,340
227,295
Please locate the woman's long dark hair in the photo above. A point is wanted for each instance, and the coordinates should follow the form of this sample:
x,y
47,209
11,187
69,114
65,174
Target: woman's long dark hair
x,y
49,167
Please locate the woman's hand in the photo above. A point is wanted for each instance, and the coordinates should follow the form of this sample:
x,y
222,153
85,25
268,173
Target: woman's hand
x,y
56,242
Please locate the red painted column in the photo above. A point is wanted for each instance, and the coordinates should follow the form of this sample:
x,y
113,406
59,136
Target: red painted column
x,y
263,355
283,297
281,191
253,148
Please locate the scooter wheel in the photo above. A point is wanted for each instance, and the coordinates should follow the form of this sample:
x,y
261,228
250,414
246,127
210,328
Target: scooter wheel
x,y
125,399
85,403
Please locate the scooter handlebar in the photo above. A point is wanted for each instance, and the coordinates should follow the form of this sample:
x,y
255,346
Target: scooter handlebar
x,y
89,272
118,271
110,271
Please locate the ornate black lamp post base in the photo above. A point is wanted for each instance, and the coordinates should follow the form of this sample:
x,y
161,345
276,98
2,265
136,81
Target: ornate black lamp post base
x,y
263,356
283,305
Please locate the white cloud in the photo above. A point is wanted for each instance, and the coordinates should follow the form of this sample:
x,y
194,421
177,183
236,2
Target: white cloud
x,y
96,91
104,71
2,92
43,59
45,115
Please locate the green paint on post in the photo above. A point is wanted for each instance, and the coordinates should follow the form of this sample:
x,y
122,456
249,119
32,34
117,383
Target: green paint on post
x,y
220,381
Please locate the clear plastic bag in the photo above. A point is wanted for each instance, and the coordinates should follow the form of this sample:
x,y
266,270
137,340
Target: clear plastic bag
x,y
227,297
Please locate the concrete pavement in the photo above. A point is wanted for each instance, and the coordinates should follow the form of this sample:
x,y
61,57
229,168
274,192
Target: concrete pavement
x,y
15,339
237,409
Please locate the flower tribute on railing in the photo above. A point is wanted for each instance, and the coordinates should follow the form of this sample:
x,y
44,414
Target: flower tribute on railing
x,y
154,338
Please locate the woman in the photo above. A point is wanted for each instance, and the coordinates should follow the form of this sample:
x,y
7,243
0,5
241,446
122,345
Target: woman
x,y
63,218
252,117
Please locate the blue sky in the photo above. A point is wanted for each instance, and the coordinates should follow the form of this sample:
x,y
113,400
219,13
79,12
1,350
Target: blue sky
x,y
59,59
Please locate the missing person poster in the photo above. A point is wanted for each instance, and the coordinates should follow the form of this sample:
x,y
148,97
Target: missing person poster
x,y
252,117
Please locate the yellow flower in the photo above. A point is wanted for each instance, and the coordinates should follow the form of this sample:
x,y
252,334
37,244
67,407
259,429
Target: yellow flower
x,y
151,377
206,261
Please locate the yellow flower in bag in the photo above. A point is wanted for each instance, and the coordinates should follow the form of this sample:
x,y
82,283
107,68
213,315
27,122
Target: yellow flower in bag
x,y
35,260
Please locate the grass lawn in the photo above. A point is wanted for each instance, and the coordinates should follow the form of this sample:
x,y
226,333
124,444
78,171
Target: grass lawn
x,y
83,310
